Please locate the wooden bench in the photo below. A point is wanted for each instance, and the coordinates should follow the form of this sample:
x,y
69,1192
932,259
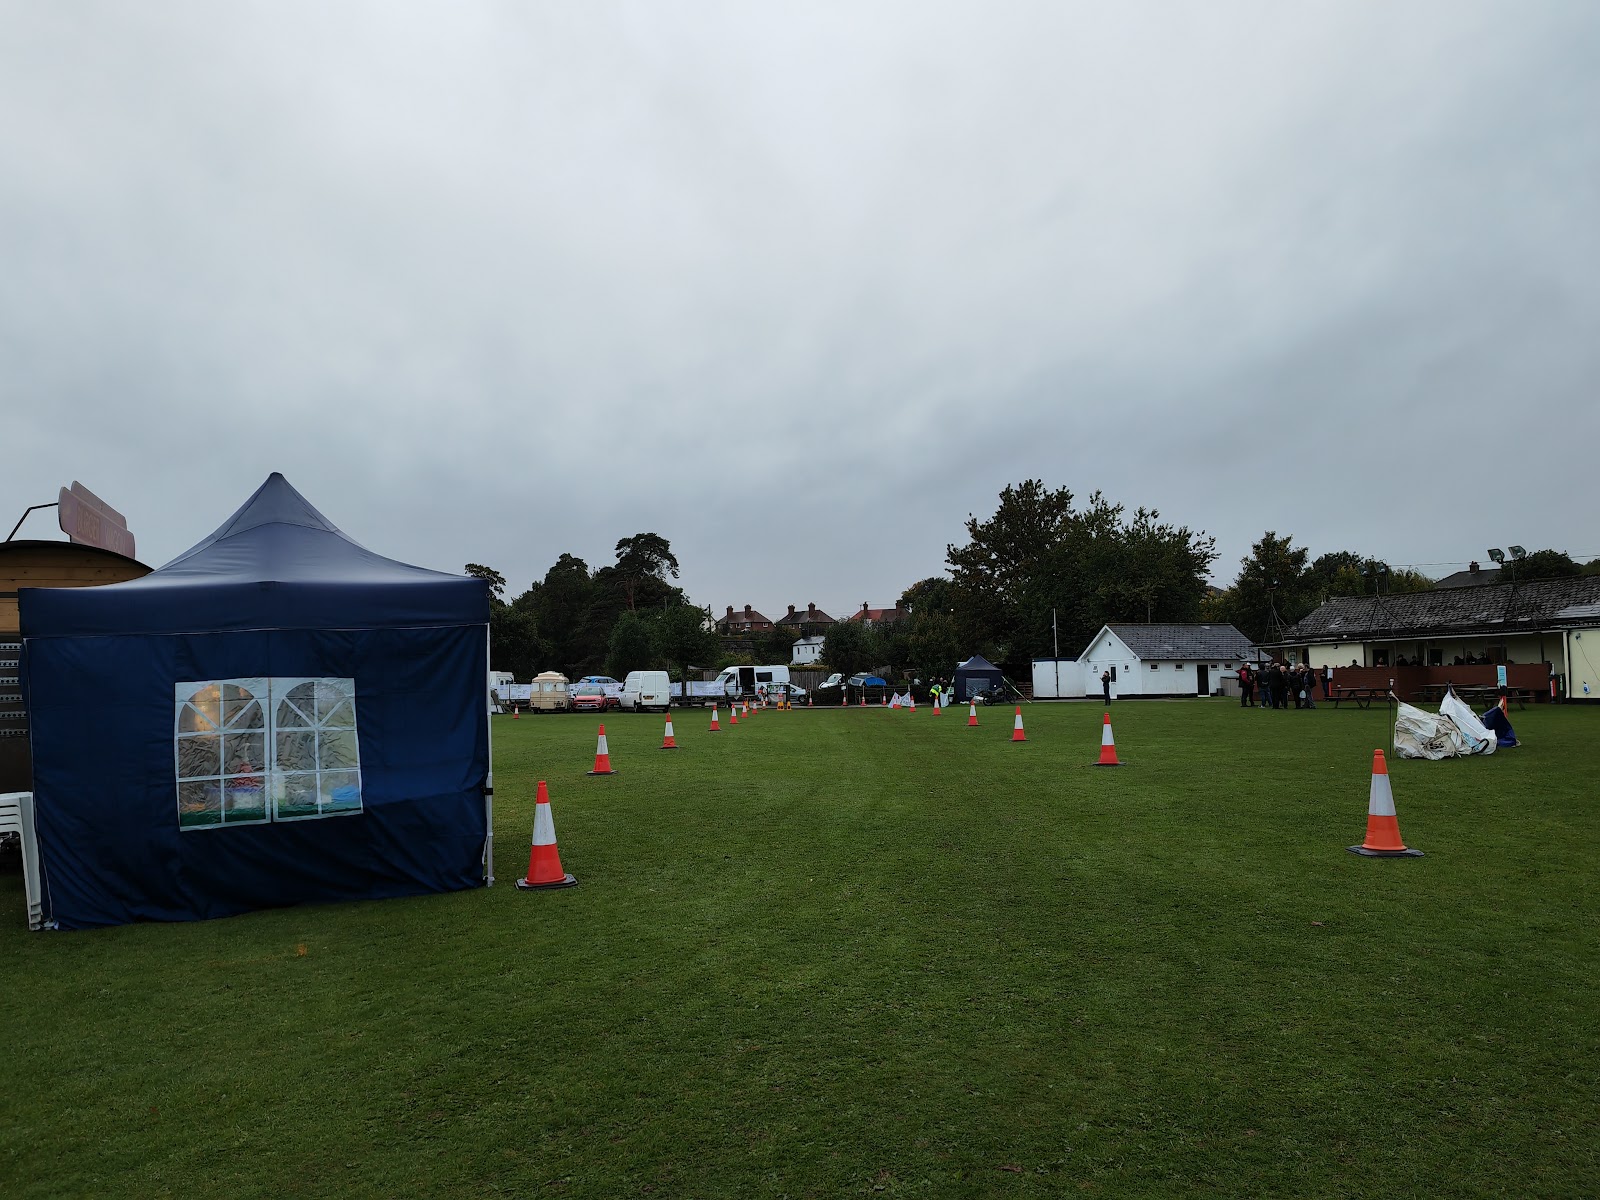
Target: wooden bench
x,y
1362,697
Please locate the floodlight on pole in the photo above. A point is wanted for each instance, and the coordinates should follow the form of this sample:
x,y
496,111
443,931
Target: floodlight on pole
x,y
1498,556
1518,553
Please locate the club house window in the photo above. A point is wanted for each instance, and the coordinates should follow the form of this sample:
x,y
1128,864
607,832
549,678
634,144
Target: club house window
x,y
253,751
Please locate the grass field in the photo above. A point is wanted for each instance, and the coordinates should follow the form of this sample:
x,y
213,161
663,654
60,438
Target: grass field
x,y
871,953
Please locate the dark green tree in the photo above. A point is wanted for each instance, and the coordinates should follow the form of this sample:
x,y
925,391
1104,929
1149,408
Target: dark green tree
x,y
849,647
631,646
495,580
1542,564
562,603
1040,563
643,560
1273,590
686,636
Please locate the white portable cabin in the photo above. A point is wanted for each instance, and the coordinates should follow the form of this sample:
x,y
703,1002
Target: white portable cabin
x,y
1058,678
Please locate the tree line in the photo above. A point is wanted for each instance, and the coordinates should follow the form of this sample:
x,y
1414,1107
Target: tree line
x,y
1037,577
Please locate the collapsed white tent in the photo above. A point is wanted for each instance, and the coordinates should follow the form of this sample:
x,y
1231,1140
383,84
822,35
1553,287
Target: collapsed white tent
x,y
1455,731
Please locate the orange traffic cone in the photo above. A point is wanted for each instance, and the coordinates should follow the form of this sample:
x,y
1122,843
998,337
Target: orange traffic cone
x,y
602,756
747,710
715,728
733,714
667,742
883,701
972,715
936,704
544,861
1108,746
1016,729
1383,829
863,699
514,712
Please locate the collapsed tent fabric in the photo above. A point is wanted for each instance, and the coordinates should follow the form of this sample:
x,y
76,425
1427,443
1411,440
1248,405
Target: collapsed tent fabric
x,y
1450,734
277,716
1497,723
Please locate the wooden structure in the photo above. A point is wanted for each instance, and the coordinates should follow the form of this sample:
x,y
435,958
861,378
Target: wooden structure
x,y
39,564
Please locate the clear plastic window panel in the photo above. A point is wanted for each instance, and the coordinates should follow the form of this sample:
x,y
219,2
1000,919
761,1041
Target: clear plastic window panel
x,y
249,751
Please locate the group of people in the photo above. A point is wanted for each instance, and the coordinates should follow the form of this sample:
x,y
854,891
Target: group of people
x,y
1279,684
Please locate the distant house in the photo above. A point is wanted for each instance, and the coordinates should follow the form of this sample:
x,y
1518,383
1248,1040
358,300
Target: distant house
x,y
877,616
740,624
1554,621
806,650
1164,660
1473,576
808,623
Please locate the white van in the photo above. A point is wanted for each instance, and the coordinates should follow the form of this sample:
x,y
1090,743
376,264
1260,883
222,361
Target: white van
x,y
646,690
748,681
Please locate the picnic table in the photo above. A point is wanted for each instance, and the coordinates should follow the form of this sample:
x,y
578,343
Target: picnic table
x,y
1362,697
1481,693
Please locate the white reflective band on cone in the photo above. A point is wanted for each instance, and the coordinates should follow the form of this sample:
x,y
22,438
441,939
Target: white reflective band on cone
x,y
601,749
1381,802
544,827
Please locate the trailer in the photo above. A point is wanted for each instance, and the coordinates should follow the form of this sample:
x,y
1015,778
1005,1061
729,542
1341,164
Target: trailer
x,y
698,693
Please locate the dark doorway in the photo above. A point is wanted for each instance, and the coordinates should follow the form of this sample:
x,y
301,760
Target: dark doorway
x,y
1202,679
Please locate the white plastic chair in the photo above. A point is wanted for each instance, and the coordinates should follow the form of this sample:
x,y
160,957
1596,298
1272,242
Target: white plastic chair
x,y
16,816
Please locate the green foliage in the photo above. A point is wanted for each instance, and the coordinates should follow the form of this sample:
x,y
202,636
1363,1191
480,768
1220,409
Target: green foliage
x,y
1543,564
631,646
1273,590
685,636
1039,554
514,642
495,580
849,647
775,645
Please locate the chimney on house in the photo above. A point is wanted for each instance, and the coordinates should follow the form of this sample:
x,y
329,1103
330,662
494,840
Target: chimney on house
x,y
747,610
811,611
791,610
730,612
1472,567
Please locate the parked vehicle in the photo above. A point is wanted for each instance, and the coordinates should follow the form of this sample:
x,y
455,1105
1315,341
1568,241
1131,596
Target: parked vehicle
x,y
593,697
699,693
646,690
793,692
739,682
549,693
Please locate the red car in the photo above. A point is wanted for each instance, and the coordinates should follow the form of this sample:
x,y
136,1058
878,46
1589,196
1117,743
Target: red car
x,y
591,697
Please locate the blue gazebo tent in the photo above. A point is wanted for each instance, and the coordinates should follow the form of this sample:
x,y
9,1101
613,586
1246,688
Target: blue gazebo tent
x,y
276,716
975,675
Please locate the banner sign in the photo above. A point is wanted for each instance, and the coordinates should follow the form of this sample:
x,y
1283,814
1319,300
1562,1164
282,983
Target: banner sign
x,y
1500,675
90,521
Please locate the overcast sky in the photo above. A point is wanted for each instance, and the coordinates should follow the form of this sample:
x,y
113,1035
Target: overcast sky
x,y
799,287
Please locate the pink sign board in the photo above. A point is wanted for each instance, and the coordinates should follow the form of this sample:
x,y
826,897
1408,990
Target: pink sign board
x,y
87,519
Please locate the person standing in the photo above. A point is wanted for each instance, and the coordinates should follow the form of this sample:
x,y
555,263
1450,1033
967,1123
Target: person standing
x,y
1247,687
1105,684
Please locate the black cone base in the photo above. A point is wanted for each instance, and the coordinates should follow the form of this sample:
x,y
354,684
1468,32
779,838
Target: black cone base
x,y
564,881
602,772
1365,853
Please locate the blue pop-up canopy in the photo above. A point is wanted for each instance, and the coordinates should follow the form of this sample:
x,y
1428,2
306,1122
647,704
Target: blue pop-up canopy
x,y
276,716
975,675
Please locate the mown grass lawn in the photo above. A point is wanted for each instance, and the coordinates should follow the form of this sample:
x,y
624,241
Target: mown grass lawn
x,y
870,953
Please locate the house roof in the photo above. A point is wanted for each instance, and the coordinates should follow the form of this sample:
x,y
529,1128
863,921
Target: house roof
x,y
1211,641
1475,577
810,615
748,619
877,615
1495,609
